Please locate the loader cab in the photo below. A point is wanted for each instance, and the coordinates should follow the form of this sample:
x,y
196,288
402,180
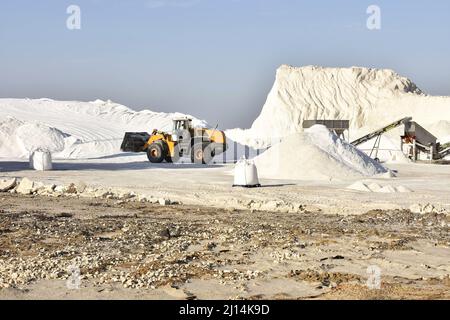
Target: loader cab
x,y
182,124
182,128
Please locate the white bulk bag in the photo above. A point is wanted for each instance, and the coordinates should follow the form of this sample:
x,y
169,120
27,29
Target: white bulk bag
x,y
41,160
246,174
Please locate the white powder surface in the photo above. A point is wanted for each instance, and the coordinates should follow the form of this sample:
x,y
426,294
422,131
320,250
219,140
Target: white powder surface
x,y
72,129
316,154
377,188
369,98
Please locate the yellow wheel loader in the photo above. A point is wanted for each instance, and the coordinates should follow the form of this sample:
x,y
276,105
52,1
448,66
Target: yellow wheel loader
x,y
201,144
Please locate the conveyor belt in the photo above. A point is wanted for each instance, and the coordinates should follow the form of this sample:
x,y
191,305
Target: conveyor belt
x,y
444,151
381,131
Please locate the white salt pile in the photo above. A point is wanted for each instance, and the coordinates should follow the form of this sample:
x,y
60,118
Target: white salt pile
x,y
403,189
369,98
34,136
359,186
71,129
375,187
387,189
20,139
316,154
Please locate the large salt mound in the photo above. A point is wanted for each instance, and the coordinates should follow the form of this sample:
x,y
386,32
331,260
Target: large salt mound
x,y
42,137
72,129
315,154
369,98
19,139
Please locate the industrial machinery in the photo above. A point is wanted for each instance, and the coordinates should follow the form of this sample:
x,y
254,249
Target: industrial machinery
x,y
201,144
443,150
416,142
419,144
377,134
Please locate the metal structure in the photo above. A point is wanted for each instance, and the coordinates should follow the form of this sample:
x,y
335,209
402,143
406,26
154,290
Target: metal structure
x,y
381,131
416,142
422,145
377,134
337,126
443,150
419,143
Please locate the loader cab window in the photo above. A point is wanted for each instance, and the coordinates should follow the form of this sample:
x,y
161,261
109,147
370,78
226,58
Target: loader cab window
x,y
182,125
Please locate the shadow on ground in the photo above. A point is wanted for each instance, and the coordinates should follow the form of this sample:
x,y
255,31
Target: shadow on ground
x,y
14,166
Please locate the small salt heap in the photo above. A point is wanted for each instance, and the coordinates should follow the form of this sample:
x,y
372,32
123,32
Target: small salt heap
x,y
316,154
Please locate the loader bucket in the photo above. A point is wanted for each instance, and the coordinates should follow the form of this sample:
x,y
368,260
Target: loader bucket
x,y
134,141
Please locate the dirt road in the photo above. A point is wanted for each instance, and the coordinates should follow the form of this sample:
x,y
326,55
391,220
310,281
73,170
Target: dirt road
x,y
143,251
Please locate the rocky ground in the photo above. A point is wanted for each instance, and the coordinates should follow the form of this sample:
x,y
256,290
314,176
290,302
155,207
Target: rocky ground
x,y
143,250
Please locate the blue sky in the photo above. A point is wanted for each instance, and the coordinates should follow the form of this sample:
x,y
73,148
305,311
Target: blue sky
x,y
215,59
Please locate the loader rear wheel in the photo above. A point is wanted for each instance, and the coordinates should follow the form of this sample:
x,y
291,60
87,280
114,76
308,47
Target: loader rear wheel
x,y
156,153
201,154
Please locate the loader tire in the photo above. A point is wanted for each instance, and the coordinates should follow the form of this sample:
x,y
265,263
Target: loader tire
x,y
176,156
156,153
168,159
201,154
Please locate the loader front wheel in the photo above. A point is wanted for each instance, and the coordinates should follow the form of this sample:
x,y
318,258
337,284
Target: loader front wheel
x,y
168,159
156,153
176,155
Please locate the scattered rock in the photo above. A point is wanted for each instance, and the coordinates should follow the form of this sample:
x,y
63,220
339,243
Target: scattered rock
x,y
37,187
6,185
164,202
80,186
102,193
126,195
47,190
174,231
71,189
164,233
424,209
25,186
59,189
271,205
144,198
